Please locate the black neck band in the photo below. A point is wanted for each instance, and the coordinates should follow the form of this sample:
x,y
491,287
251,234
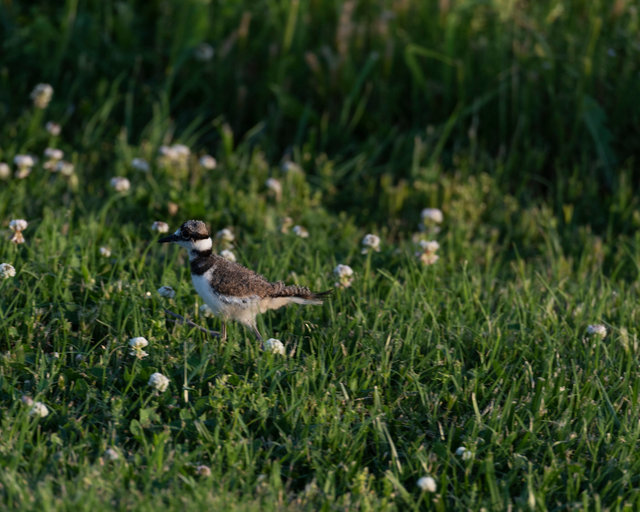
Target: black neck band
x,y
201,254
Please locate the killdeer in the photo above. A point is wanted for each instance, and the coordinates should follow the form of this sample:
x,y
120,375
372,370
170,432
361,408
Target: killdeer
x,y
234,292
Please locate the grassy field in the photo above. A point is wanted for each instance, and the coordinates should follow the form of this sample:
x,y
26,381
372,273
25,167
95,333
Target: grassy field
x,y
474,364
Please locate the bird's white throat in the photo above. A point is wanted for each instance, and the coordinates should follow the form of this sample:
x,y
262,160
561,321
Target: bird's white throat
x,y
197,246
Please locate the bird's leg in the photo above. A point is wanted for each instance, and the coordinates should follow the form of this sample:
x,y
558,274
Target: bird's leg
x,y
182,320
223,331
257,334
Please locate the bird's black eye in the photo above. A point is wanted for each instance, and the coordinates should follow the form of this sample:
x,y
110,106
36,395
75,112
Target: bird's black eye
x,y
184,236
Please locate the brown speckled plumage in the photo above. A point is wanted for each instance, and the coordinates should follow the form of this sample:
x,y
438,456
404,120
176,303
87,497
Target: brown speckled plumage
x,y
232,279
196,229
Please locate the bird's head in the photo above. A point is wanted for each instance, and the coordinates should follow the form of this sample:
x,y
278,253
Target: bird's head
x,y
193,235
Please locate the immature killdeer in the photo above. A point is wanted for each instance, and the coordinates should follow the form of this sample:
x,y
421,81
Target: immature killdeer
x,y
232,291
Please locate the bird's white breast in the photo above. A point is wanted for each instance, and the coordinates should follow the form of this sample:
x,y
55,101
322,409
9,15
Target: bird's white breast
x,y
202,286
242,309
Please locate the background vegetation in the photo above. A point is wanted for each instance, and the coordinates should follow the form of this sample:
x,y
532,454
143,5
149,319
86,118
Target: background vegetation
x,y
519,120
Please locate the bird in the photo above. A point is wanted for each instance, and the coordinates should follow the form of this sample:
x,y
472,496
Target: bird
x,y
234,292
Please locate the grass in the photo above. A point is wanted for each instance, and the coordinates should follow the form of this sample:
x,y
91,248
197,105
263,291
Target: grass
x,y
511,118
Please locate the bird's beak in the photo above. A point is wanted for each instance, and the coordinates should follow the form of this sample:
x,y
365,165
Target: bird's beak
x,y
167,239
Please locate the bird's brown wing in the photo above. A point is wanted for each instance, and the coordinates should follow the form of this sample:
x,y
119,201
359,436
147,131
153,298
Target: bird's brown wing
x,y
230,278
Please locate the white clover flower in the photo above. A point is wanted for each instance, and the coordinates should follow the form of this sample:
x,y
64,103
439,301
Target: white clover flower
x,y
160,227
463,453
203,52
39,409
138,342
5,171
52,128
26,400
64,168
598,330
427,484
428,254
300,231
228,255
158,382
225,235
344,274
203,470
429,218
120,184
208,162
274,186
105,251
24,161
343,270
111,454
370,243
182,152
18,226
54,154
432,215
136,345
289,166
53,158
274,346
167,291
168,153
140,164
7,270
41,95
206,311
429,245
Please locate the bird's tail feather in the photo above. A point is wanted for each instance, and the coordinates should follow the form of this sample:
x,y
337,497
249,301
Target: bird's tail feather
x,y
300,292
283,295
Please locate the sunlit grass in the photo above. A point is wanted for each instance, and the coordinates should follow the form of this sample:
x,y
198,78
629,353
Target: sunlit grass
x,y
485,349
